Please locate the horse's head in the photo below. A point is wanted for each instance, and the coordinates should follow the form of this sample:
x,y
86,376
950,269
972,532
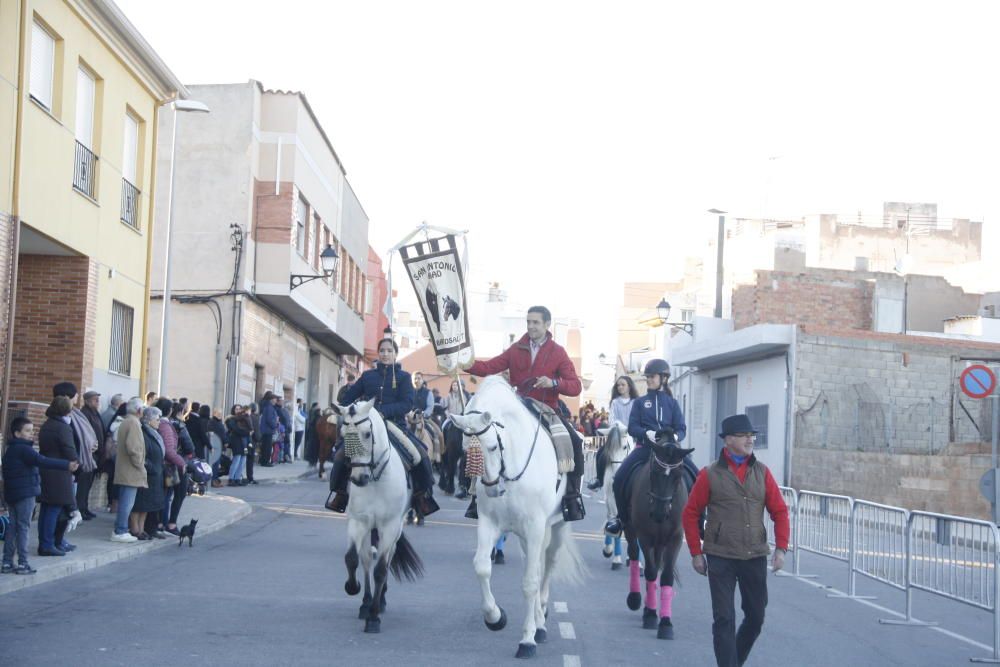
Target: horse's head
x,y
359,439
665,472
483,447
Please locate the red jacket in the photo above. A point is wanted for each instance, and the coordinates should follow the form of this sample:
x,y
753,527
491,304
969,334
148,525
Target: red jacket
x,y
551,362
701,494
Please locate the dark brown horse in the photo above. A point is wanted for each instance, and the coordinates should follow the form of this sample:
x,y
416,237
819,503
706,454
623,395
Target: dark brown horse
x,y
658,495
326,434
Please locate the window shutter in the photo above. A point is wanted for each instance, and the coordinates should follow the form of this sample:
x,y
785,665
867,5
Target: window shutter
x,y
43,53
131,155
85,93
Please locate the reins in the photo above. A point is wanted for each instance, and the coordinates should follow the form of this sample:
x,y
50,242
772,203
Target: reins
x,y
372,464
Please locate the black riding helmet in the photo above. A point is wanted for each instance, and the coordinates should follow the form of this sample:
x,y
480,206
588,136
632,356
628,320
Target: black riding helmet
x,y
657,367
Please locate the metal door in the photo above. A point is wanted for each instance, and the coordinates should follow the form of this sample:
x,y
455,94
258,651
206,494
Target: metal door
x,y
725,406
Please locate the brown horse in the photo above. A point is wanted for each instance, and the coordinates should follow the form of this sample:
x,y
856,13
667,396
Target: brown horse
x,y
326,434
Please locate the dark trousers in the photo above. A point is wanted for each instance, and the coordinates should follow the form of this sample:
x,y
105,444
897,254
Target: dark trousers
x,y
601,463
266,448
732,646
17,535
51,526
84,480
298,442
174,498
249,461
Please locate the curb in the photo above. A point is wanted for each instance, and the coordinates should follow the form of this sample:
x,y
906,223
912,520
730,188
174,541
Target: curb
x,y
11,583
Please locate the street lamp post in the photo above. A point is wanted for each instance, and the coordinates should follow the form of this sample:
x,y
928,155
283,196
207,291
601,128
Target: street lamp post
x,y
663,313
718,260
327,260
188,106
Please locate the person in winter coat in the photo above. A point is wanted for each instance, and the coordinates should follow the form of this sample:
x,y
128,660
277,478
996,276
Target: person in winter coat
x,y
130,468
196,428
253,415
299,424
656,411
622,396
268,427
92,411
391,388
55,440
149,499
311,451
170,432
22,484
215,431
238,436
540,368
86,442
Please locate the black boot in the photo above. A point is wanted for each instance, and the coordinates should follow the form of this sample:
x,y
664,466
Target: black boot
x,y
338,503
572,503
473,511
596,484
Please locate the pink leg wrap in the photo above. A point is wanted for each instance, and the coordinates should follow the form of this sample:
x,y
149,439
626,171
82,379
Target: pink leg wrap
x,y
666,601
651,587
633,576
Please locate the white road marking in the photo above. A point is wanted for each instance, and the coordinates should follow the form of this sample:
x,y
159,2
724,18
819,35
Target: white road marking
x,y
566,630
571,661
560,607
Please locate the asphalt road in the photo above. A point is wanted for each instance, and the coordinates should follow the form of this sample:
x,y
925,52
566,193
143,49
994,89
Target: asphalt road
x,y
269,590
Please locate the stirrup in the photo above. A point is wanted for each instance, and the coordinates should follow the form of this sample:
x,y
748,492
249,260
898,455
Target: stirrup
x,y
572,508
337,502
473,511
424,504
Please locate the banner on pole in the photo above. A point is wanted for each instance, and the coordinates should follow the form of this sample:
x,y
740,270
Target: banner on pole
x,y
435,271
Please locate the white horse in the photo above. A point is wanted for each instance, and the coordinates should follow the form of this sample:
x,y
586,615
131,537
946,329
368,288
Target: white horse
x,y
617,446
521,493
378,500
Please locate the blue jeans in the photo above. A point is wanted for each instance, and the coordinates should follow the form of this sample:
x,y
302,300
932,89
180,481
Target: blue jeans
x,y
236,467
126,499
48,515
20,523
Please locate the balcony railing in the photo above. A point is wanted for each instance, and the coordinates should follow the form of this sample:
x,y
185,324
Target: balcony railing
x,y
130,204
85,171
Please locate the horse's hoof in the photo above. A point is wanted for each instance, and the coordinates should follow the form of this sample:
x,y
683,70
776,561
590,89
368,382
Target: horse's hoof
x,y
501,622
373,625
666,629
649,619
541,635
616,566
352,587
633,601
526,651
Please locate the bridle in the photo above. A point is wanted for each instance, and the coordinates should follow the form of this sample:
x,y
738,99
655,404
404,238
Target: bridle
x,y
658,467
371,464
496,426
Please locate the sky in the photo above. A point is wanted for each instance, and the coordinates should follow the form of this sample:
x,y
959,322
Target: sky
x,y
581,143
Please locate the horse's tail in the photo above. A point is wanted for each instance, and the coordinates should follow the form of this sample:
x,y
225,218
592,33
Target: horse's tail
x,y
569,566
406,564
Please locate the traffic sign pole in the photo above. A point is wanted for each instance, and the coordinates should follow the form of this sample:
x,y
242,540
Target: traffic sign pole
x,y
996,436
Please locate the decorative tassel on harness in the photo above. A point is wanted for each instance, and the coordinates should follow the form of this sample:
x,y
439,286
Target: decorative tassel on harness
x,y
474,465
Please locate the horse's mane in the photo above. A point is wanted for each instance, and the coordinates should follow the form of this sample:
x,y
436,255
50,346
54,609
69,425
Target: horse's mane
x,y
496,386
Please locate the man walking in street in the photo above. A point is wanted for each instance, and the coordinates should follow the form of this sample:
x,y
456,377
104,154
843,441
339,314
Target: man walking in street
x,y
540,368
736,489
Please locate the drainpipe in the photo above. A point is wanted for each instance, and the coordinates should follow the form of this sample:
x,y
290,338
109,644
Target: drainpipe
x,y
15,220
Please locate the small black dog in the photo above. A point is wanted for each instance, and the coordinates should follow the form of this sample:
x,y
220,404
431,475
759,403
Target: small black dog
x,y
188,532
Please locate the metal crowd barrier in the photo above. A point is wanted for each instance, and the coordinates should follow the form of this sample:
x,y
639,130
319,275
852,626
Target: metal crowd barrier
x,y
791,498
823,525
955,558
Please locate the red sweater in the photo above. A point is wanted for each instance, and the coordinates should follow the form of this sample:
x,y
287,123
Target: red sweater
x,y
701,494
551,361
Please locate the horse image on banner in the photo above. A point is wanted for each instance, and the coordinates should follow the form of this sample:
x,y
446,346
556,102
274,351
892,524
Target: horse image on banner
x,y
435,271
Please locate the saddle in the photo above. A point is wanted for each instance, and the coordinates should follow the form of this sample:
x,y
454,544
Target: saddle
x,y
408,452
562,441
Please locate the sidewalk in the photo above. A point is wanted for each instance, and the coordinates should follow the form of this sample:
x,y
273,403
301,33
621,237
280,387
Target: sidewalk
x,y
286,472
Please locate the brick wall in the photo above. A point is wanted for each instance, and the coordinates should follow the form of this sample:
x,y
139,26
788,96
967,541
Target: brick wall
x,y
54,328
6,284
828,298
275,345
947,483
274,215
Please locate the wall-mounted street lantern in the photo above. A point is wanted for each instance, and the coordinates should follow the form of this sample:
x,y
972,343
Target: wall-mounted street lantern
x,y
663,313
328,261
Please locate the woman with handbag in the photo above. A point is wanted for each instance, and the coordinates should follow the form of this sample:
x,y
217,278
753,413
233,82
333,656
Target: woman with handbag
x,y
174,467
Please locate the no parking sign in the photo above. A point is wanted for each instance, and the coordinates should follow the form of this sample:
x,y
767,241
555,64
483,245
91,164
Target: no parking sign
x,y
977,381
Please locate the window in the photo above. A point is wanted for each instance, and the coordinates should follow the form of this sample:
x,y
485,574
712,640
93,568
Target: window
x,y
687,315
369,298
43,58
758,417
86,89
301,217
121,338
130,193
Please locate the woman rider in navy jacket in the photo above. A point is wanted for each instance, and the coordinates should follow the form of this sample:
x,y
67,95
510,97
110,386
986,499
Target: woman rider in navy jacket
x,y
392,389
656,411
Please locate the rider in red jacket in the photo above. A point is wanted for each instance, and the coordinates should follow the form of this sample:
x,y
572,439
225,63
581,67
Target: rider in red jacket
x,y
540,368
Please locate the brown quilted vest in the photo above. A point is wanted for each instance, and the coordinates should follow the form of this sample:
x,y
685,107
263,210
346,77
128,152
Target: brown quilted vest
x,y
735,527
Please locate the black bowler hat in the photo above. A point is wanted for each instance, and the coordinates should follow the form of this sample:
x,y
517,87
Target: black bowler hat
x,y
736,424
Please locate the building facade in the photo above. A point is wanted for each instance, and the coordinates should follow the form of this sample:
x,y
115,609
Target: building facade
x,y
260,192
80,95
